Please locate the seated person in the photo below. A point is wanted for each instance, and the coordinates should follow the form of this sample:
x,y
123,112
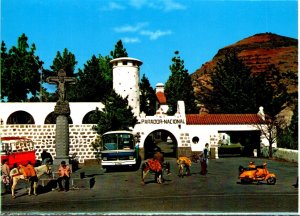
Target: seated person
x,y
64,173
251,165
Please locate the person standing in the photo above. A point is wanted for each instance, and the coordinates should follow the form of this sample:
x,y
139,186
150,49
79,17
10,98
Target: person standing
x,y
158,155
203,164
64,173
206,156
33,179
5,170
206,153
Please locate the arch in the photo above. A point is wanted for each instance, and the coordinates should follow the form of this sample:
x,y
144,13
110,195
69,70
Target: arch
x,y
20,117
51,119
162,139
91,117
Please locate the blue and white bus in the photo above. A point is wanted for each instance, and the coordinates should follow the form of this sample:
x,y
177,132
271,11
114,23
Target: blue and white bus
x,y
120,148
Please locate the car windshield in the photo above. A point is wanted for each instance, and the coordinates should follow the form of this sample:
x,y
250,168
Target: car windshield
x,y
118,141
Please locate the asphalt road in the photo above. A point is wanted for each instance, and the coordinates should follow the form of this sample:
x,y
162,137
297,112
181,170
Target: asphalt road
x,y
121,192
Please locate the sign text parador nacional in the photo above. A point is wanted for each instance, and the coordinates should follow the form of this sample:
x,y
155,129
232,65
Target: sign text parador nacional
x,y
162,121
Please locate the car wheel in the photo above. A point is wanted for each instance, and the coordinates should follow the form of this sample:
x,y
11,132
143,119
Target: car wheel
x,y
271,180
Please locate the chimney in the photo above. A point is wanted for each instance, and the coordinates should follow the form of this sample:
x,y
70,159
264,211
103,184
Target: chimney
x,y
160,87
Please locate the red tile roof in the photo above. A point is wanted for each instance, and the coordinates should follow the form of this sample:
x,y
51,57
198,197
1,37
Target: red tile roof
x,y
161,98
214,119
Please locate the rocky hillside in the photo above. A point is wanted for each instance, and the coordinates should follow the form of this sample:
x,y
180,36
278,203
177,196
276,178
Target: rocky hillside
x,y
258,52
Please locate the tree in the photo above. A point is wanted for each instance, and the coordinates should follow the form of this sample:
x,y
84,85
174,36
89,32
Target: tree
x,y
179,87
283,108
268,127
106,70
147,97
232,88
117,115
92,81
288,138
274,79
20,71
119,51
67,62
97,147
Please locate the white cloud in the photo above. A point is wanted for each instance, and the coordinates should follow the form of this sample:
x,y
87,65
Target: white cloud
x,y
130,28
164,5
154,35
131,40
139,3
140,29
112,6
170,5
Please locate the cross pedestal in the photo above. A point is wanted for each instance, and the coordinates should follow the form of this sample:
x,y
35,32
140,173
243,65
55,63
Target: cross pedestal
x,y
62,111
62,140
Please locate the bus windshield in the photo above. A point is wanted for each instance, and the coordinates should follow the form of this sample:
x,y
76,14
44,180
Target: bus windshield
x,y
118,141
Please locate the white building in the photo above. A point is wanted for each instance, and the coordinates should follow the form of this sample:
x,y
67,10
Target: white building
x,y
126,77
182,128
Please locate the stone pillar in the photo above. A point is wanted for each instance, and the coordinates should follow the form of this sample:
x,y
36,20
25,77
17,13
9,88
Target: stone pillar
x,y
142,153
214,154
62,110
62,139
184,151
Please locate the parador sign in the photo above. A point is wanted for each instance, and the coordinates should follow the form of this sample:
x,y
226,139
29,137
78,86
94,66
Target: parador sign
x,y
162,121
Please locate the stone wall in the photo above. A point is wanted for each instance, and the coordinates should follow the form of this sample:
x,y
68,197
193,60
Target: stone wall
x,y
43,136
185,139
286,154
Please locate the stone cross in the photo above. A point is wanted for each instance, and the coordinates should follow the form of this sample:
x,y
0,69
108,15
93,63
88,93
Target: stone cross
x,y
62,110
61,80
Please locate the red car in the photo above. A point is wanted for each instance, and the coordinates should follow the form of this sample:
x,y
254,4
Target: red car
x,y
18,150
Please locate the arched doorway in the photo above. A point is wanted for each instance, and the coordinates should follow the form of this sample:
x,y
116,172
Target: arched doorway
x,y
51,119
163,140
20,117
92,117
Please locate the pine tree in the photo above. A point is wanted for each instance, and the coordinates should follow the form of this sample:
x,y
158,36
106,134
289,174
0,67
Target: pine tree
x,y
179,87
147,97
66,61
119,51
117,115
91,85
232,88
20,69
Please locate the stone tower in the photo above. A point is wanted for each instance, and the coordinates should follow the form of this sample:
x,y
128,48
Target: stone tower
x,y
126,77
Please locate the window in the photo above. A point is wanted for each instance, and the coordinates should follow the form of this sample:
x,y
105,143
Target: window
x,y
195,139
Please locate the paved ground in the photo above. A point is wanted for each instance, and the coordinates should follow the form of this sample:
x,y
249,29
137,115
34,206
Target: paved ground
x,y
218,192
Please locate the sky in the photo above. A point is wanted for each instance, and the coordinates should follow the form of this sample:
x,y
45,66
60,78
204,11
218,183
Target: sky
x,y
151,30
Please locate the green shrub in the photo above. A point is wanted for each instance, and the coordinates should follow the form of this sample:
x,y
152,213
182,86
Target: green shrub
x,y
264,151
231,149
